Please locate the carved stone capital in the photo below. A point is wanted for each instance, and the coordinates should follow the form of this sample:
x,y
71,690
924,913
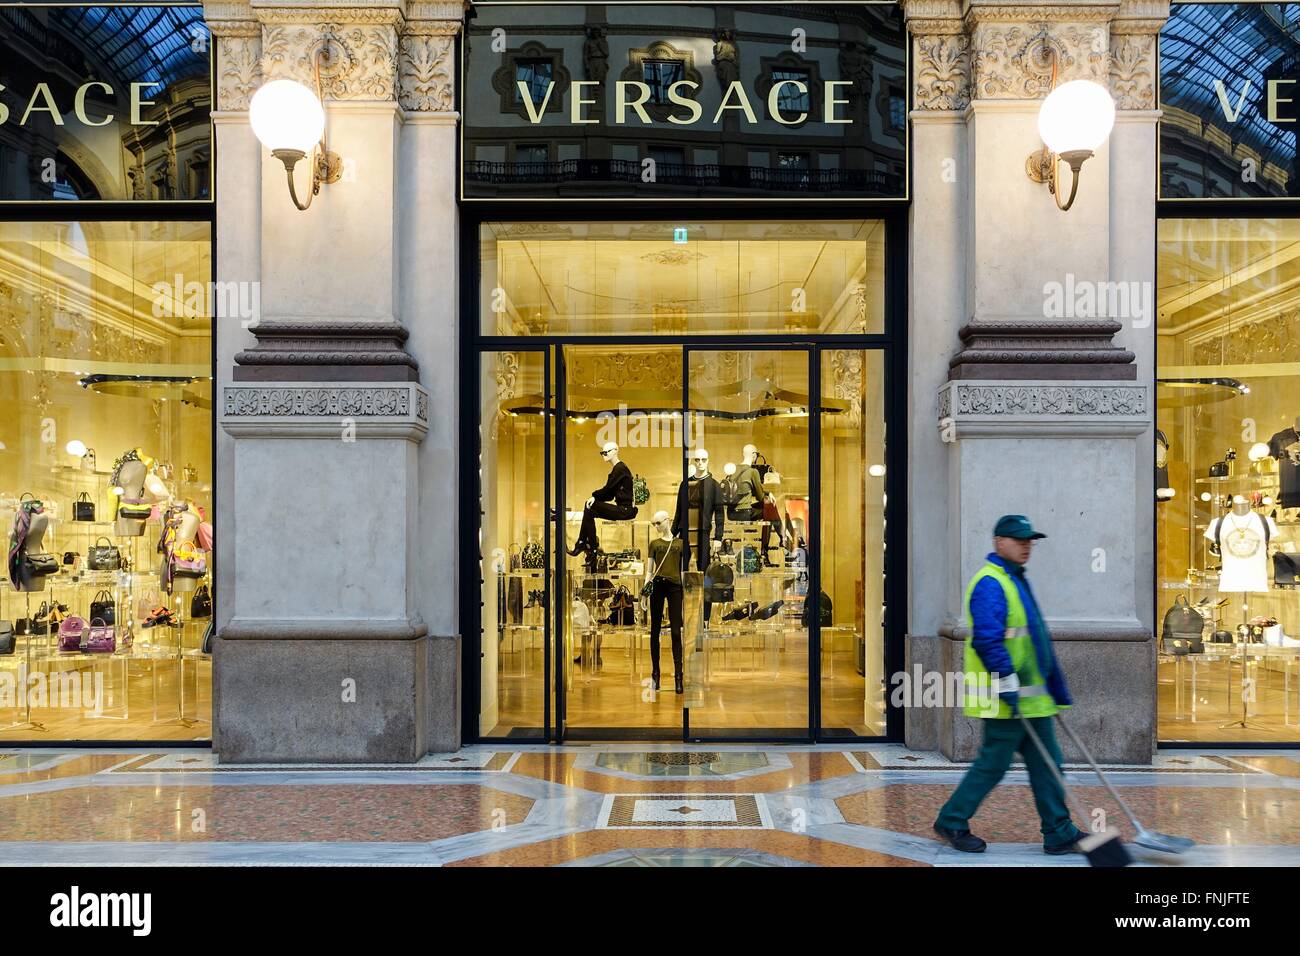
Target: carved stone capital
x,y
941,68
932,17
1133,71
1066,349
427,73
239,68
1140,16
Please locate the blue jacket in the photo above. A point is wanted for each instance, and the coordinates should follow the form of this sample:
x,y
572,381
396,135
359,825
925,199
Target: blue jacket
x,y
988,611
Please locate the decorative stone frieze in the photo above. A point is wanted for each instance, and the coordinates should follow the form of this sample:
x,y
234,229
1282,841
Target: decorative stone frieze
x,y
1014,60
1066,409
360,61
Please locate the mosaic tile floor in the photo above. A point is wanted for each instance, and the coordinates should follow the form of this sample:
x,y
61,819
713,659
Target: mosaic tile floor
x,y
611,805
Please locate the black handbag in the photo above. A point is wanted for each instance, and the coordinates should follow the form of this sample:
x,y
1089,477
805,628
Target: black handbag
x,y
39,565
7,640
104,607
103,557
1182,624
1219,469
83,509
1285,569
201,602
719,583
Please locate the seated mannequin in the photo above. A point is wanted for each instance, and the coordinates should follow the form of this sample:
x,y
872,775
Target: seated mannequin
x,y
612,502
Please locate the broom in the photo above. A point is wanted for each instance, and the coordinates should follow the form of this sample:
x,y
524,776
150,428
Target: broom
x,y
1101,849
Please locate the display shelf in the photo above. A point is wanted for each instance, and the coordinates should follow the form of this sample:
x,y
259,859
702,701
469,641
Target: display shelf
x,y
1246,479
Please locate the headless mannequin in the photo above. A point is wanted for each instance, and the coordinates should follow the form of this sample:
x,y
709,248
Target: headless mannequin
x,y
131,479
33,545
613,502
749,489
187,530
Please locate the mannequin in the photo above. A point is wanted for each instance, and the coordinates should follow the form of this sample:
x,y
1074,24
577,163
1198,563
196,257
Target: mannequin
x,y
665,565
130,475
1243,537
186,525
699,506
613,502
749,489
33,545
1285,447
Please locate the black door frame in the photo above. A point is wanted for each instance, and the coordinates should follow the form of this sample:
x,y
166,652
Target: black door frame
x,y
891,342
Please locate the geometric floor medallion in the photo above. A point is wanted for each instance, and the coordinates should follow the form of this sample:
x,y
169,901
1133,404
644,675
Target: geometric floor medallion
x,y
660,811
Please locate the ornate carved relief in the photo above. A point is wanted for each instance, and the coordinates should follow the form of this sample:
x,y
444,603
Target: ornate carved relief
x,y
847,381
1133,71
360,56
239,70
426,73
942,71
1009,400
1275,339
324,401
1014,61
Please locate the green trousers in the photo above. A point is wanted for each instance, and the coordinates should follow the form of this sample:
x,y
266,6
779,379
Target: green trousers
x,y
1002,740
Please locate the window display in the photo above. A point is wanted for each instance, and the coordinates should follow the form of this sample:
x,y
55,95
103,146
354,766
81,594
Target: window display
x,y
1228,517
108,585
648,506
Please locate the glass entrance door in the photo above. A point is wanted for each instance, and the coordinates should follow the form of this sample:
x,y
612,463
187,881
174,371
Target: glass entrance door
x,y
749,411
623,451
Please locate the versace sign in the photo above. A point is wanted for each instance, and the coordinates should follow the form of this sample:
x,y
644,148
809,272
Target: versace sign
x,y
106,103
697,100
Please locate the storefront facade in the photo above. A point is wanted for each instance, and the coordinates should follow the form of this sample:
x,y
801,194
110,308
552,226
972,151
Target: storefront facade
x,y
798,237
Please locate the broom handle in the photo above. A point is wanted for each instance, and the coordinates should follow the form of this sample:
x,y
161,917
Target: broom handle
x,y
1051,765
1096,769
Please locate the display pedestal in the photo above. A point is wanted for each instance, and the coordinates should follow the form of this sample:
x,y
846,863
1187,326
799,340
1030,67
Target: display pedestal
x,y
1244,722
21,686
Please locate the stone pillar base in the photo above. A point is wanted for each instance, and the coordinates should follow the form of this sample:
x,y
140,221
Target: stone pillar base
x,y
322,698
1112,680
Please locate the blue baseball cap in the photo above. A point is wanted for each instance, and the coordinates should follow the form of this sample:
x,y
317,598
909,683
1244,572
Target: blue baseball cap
x,y
1016,526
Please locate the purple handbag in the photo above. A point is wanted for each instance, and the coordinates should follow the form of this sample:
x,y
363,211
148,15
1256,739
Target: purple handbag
x,y
71,630
100,639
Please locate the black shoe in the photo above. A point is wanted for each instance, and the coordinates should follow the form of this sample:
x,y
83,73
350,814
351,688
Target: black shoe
x,y
577,549
962,840
677,683
655,678
1062,849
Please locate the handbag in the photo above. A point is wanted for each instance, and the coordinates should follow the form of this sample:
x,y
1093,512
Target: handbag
x,y
135,511
103,607
201,602
70,557
1285,568
83,509
39,565
103,557
750,561
71,632
1219,469
1182,624
640,490
188,561
40,623
719,583
7,640
100,639
532,556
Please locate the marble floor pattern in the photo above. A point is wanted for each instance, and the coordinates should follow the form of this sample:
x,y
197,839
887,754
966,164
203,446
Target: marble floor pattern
x,y
611,805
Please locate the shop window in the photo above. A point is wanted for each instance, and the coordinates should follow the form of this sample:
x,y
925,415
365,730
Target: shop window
x,y
536,75
1227,480
792,99
106,385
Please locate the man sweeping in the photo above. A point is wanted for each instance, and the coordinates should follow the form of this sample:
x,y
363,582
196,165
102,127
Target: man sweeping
x,y
1011,671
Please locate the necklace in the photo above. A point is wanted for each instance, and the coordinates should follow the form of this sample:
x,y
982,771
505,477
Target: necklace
x,y
1243,542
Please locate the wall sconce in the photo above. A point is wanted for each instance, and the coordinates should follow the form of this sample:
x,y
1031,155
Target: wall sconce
x,y
1074,120
289,120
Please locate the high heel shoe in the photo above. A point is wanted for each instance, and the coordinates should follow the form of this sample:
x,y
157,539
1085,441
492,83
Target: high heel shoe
x,y
677,683
655,678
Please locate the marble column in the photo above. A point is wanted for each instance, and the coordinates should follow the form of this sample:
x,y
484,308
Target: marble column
x,y
1031,350
325,650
